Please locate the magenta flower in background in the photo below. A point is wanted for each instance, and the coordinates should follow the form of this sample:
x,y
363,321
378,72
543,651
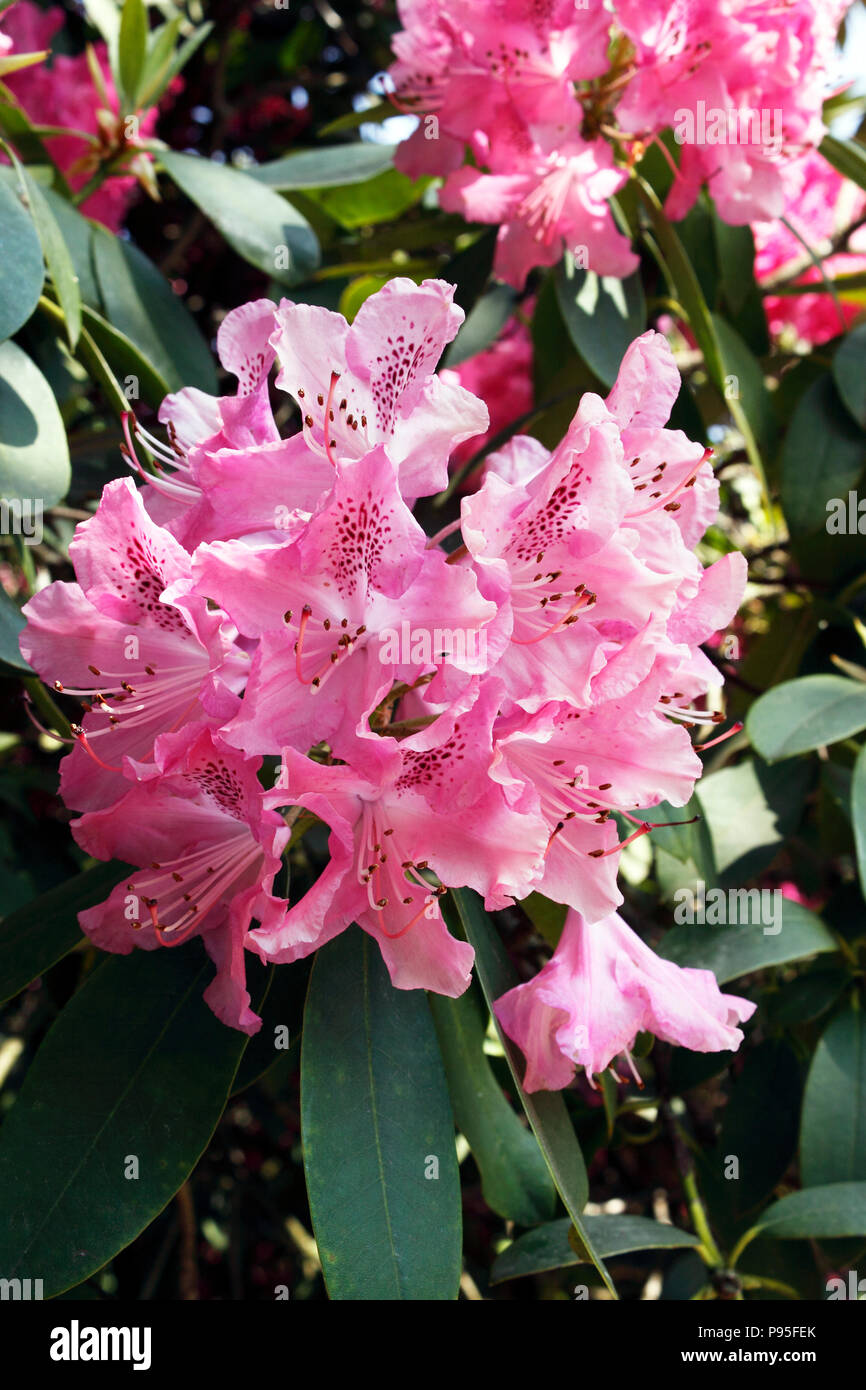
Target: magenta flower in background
x,y
62,93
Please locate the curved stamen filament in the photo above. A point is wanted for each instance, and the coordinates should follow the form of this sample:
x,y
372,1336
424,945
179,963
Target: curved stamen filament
x,y
245,853
729,733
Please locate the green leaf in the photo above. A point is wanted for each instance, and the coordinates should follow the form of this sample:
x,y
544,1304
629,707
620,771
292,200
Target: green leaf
x,y
807,713
357,291
21,268
157,63
104,15
330,166
11,623
849,372
132,49
380,199
848,157
29,145
807,997
735,255
125,361
603,315
34,455
759,1125
482,325
545,1110
837,1209
469,269
179,61
750,809
43,931
514,1177
374,1114
76,231
858,814
822,458
140,303
833,1134
375,114
282,1012
683,848
548,918
734,950
745,390
548,1247
54,250
136,1064
260,225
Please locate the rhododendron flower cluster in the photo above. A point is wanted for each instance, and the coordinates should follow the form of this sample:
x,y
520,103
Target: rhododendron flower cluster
x,y
264,630
534,115
63,94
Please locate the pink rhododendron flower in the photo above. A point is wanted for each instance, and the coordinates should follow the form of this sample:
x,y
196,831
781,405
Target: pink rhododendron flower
x,y
208,849
130,637
327,605
373,383
582,765
587,554
601,988
824,205
550,194
62,94
217,442
397,810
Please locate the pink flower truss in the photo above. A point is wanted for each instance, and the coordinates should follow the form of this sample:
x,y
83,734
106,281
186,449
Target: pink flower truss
x,y
62,94
464,719
532,127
